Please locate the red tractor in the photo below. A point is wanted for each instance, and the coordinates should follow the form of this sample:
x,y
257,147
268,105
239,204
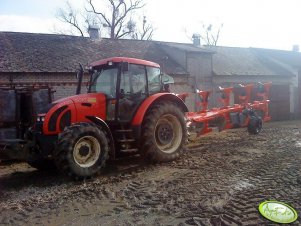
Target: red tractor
x,y
127,109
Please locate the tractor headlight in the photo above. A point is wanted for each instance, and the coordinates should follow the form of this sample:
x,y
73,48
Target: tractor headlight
x,y
40,118
41,114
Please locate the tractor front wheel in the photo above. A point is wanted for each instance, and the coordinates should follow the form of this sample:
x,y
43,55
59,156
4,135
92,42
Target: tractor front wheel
x,y
164,133
82,150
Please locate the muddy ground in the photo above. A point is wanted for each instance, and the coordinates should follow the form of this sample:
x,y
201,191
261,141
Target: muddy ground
x,y
220,180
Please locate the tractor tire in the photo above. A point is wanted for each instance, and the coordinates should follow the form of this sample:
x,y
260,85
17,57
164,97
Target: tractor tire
x,y
255,125
164,133
82,150
42,164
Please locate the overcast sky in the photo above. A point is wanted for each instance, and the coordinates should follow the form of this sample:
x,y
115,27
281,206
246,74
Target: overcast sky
x,y
246,23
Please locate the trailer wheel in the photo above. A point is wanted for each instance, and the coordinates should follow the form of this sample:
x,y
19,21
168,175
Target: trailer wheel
x,y
42,164
82,150
164,133
255,125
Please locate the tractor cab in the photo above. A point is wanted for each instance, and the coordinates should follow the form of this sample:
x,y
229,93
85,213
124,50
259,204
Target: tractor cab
x,y
126,83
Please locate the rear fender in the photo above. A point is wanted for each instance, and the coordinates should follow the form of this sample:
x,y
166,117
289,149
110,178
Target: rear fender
x,y
148,103
101,123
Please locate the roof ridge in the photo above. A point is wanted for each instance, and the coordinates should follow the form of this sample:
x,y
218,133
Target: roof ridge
x,y
43,34
228,47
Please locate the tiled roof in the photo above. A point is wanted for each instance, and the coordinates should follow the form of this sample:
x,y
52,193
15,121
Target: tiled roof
x,y
186,47
291,58
251,61
28,52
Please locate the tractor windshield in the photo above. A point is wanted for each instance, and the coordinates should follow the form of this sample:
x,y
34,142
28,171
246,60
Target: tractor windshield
x,y
104,81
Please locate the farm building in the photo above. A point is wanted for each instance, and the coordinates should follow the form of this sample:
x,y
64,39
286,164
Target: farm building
x,y
28,59
232,65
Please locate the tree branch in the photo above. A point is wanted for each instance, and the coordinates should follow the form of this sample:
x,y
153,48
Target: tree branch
x,y
120,25
131,8
124,34
69,17
117,18
146,29
99,13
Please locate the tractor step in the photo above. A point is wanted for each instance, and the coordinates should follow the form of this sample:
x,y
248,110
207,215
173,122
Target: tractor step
x,y
132,150
124,130
127,152
126,140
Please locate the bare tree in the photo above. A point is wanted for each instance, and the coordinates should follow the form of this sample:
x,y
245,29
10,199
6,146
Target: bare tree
x,y
145,32
119,21
70,16
117,18
211,35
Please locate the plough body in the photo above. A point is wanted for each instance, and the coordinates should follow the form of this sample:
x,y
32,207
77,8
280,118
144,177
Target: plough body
x,y
246,113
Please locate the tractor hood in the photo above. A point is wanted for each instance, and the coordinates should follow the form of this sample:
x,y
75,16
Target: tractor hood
x,y
74,109
81,98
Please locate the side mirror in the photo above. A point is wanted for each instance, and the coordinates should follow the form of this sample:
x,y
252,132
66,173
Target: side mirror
x,y
91,71
125,66
121,94
166,79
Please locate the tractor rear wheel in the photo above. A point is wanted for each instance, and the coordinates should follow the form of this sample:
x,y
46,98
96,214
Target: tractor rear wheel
x,y
164,133
82,150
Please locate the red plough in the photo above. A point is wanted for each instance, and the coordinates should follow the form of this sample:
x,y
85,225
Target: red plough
x,y
246,113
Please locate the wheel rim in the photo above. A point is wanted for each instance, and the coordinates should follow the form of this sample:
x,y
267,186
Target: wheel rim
x,y
86,151
168,133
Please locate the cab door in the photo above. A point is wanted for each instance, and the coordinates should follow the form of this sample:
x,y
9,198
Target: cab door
x,y
133,90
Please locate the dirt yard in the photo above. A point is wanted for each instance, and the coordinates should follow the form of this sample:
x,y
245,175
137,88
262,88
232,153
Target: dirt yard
x,y
220,180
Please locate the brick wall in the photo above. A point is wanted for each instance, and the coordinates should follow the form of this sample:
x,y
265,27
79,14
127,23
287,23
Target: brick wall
x,y
64,84
181,86
200,67
63,91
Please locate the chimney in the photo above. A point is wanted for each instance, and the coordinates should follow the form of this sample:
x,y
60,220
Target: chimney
x,y
296,48
196,39
93,31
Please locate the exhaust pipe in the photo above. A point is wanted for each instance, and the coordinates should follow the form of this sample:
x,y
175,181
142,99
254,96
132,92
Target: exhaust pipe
x,y
79,76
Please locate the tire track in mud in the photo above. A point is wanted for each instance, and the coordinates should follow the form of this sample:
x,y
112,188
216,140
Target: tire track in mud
x,y
269,186
232,199
220,181
63,197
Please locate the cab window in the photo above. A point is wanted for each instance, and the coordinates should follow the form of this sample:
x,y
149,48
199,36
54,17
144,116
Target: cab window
x,y
133,81
132,91
104,81
154,80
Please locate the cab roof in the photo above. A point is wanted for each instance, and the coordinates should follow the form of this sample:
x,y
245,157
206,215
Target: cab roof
x,y
124,59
